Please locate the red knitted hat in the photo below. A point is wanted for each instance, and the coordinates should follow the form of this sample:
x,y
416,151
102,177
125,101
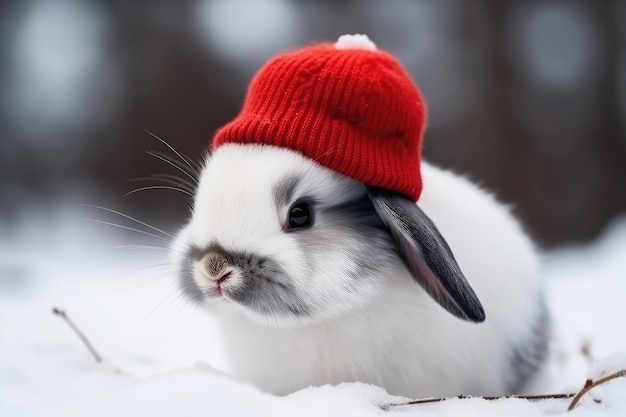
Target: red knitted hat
x,y
348,106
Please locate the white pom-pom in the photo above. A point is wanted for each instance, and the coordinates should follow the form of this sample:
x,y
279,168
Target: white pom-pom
x,y
356,41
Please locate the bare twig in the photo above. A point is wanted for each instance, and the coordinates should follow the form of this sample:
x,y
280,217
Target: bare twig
x,y
493,398
590,384
79,333
83,338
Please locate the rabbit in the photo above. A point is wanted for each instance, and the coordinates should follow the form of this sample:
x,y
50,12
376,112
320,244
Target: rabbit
x,y
316,278
330,252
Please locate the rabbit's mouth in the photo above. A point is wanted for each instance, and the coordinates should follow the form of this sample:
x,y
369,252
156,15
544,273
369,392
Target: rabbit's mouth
x,y
257,283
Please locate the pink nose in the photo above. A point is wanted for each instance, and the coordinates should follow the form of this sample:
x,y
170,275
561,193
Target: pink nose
x,y
220,279
216,267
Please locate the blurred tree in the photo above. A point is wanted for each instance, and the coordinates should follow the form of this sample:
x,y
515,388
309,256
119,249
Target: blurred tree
x,y
525,97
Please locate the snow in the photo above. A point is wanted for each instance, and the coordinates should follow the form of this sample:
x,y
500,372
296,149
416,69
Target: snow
x,y
125,301
614,363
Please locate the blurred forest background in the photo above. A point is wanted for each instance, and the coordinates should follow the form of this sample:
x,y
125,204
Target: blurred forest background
x,y
527,97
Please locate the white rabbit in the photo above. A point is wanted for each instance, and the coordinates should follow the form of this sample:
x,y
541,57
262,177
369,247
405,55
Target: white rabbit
x,y
317,279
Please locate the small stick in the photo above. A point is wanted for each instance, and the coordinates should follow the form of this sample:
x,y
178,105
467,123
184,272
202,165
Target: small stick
x,y
81,335
589,385
493,398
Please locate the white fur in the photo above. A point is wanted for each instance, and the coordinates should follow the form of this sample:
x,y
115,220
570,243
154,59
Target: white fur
x,y
391,333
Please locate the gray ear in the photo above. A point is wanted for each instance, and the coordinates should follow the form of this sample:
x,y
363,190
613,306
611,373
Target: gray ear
x,y
427,255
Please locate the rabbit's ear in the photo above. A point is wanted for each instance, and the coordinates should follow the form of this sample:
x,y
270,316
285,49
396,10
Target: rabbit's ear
x,y
427,255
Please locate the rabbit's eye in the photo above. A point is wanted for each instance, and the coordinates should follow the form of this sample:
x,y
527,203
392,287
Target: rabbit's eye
x,y
300,215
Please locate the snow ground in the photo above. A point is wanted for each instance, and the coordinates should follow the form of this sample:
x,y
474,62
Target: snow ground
x,y
170,362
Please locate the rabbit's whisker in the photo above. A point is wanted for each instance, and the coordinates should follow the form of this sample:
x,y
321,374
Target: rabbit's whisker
x,y
135,271
182,181
158,187
129,218
173,163
126,228
131,247
167,182
184,158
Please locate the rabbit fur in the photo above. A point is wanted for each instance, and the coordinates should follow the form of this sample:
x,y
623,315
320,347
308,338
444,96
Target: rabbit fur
x,y
336,303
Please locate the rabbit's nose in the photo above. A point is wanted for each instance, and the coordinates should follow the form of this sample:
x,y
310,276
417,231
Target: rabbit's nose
x,y
216,267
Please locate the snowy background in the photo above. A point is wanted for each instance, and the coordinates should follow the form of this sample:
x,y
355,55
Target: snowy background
x,y
528,98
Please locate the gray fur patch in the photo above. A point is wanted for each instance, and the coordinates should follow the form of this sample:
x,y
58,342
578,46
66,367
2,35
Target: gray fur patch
x,y
354,219
265,287
284,189
527,357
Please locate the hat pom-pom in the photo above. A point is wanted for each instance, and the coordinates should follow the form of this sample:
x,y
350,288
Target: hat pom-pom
x,y
356,41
